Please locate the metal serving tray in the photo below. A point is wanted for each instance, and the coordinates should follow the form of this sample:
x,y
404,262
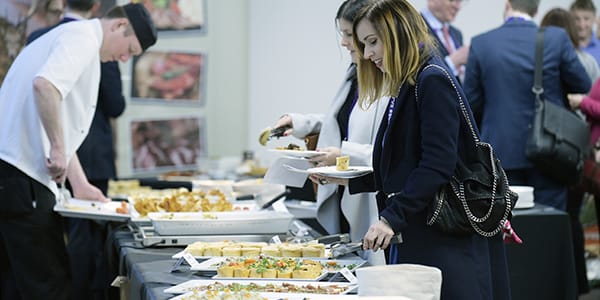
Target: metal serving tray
x,y
148,237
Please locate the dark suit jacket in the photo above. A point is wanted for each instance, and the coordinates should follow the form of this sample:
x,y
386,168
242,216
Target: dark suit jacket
x,y
499,78
96,153
455,35
416,153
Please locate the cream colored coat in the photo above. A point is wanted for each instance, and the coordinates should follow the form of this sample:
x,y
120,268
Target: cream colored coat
x,y
359,209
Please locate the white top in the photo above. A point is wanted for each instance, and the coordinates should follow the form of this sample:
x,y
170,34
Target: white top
x,y
359,209
69,57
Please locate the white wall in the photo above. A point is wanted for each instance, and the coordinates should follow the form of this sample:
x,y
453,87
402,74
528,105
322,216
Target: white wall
x,y
268,57
296,63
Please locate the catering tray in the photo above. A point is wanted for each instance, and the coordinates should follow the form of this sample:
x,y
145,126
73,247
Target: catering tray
x,y
323,275
145,234
202,284
245,222
238,206
329,265
85,209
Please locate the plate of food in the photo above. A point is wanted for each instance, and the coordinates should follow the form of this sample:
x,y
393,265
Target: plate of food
x,y
208,295
275,286
333,171
271,268
205,250
85,209
328,265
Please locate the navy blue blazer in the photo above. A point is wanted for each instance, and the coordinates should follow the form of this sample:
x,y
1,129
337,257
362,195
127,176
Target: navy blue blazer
x,y
96,153
416,153
499,78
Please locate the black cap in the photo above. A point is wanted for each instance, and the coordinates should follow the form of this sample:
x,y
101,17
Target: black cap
x,y
142,24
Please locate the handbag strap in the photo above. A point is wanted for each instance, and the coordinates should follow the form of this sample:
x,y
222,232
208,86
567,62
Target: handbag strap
x,y
538,88
460,101
472,218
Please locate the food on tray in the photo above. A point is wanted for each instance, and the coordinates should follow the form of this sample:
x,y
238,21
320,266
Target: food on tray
x,y
284,287
180,200
224,295
254,267
255,249
123,209
315,250
291,250
342,163
271,250
291,146
124,187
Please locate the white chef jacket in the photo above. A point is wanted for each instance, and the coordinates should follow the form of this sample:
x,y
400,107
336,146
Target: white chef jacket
x,y
69,57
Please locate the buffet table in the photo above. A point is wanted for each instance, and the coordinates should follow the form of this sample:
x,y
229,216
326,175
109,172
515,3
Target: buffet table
x,y
147,269
543,266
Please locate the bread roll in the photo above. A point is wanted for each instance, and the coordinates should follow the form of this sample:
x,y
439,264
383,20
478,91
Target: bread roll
x,y
232,251
342,163
225,271
241,272
271,251
250,251
291,251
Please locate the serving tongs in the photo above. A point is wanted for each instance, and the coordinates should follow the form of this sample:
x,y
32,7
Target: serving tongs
x,y
63,194
341,249
333,239
269,133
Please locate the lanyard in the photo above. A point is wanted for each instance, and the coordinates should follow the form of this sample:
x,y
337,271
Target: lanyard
x,y
390,112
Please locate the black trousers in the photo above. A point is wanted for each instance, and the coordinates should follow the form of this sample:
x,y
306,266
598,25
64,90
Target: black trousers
x,y
33,258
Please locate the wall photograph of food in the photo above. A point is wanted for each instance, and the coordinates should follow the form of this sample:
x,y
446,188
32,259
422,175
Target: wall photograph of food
x,y
166,144
163,77
176,15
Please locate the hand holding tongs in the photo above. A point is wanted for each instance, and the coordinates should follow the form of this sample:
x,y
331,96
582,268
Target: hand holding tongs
x,y
63,193
342,249
269,132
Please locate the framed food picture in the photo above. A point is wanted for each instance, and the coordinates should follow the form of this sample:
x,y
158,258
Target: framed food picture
x,y
160,145
168,77
176,15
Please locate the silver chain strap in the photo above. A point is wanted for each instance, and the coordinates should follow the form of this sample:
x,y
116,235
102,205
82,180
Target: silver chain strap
x,y
460,189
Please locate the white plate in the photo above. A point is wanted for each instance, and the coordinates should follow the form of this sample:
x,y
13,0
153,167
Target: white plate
x,y
260,279
197,283
331,171
212,263
179,255
297,153
84,209
289,296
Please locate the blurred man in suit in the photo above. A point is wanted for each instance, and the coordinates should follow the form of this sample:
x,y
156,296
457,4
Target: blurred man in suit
x,y
438,16
584,12
85,243
498,82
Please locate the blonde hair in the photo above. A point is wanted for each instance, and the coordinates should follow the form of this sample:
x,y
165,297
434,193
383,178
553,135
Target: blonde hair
x,y
406,46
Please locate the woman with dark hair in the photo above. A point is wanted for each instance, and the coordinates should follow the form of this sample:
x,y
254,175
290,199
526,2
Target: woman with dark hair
x,y
345,129
560,17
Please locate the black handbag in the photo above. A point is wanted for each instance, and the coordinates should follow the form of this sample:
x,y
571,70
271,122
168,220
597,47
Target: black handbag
x,y
477,199
558,140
